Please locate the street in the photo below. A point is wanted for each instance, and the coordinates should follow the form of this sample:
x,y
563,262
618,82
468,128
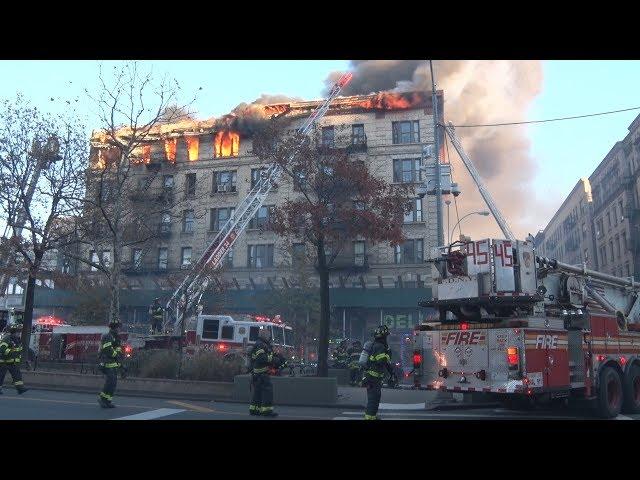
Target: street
x,y
56,405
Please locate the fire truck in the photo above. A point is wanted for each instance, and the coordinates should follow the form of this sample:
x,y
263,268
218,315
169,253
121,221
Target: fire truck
x,y
529,329
233,336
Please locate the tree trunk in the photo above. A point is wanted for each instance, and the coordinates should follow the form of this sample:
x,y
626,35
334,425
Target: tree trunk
x,y
323,337
27,318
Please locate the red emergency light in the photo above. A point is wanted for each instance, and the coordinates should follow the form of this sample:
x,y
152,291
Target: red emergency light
x,y
222,347
417,360
512,357
464,326
49,320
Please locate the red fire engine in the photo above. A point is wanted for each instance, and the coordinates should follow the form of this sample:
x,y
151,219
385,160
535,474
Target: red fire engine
x,y
530,329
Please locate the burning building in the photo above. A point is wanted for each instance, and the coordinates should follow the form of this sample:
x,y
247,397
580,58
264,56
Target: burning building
x,y
211,163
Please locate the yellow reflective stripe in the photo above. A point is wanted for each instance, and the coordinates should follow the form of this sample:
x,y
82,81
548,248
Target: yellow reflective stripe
x,y
380,356
19,382
374,374
266,409
112,365
256,353
105,345
260,370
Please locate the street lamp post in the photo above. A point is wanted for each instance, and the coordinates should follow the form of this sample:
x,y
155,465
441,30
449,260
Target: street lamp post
x,y
483,213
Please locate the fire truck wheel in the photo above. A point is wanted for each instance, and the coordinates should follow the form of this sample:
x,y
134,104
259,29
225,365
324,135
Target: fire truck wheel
x,y
609,394
632,390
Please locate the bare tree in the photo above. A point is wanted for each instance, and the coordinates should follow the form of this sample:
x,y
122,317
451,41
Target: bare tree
x,y
120,207
42,162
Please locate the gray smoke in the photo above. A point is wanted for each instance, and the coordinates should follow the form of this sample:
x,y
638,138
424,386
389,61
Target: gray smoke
x,y
476,92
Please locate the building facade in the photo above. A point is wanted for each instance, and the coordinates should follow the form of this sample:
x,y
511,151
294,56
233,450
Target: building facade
x,y
212,170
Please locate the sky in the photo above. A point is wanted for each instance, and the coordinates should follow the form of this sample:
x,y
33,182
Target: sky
x,y
564,151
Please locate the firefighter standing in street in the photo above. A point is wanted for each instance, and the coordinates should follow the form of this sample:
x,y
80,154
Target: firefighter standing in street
x,y
376,356
354,366
261,358
110,356
10,357
156,311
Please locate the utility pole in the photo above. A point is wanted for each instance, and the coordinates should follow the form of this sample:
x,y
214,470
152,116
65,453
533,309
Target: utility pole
x,y
438,179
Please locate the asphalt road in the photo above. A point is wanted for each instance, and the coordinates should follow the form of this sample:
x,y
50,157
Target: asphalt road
x,y
55,405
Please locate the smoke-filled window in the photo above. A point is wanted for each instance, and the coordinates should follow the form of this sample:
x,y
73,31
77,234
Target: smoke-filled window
x,y
406,132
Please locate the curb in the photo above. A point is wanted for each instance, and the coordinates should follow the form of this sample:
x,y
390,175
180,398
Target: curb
x,y
461,406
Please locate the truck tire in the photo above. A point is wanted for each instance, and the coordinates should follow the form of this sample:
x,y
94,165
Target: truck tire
x,y
631,386
610,394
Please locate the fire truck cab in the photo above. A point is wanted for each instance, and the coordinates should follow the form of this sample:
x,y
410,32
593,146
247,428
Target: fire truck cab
x,y
529,329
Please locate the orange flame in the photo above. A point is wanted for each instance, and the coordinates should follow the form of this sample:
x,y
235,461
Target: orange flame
x,y
226,144
106,156
395,101
170,145
146,154
193,144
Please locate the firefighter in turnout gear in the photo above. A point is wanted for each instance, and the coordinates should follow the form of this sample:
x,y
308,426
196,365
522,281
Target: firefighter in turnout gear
x,y
10,357
109,356
354,367
261,358
156,311
378,359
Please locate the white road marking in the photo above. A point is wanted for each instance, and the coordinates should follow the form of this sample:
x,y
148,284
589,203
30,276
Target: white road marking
x,y
402,406
345,418
623,417
152,414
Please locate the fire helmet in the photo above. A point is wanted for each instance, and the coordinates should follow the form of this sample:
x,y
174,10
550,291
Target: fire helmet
x,y
115,324
15,328
265,333
381,332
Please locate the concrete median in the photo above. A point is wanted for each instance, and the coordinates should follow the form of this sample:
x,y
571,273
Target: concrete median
x,y
292,391
152,387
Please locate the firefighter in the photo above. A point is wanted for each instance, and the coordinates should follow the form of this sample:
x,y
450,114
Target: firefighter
x,y
354,366
10,357
109,356
340,355
156,311
378,359
261,358
18,317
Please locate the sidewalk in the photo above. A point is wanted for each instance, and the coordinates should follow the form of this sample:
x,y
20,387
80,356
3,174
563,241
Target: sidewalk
x,y
356,397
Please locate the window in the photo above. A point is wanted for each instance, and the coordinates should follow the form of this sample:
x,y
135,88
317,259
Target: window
x,y
260,256
359,257
624,241
66,266
162,258
603,255
256,173
298,254
187,221
227,332
406,132
288,337
228,258
94,259
409,252
165,222
357,135
278,335
328,136
584,230
167,181
618,245
585,256
261,218
186,256
224,181
608,219
106,258
14,287
254,333
613,258
600,228
210,329
615,216
621,210
219,217
407,171
626,266
136,258
190,185
415,215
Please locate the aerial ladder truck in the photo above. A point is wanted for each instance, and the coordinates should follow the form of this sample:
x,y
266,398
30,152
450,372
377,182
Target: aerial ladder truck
x,y
526,329
189,293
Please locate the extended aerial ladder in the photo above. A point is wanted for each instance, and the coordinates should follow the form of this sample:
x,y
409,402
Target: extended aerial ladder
x,y
502,222
44,157
190,291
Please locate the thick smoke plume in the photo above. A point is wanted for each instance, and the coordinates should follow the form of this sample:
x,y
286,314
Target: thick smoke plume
x,y
246,118
476,92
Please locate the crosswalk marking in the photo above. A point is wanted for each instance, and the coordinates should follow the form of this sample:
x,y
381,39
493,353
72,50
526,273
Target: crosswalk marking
x,y
402,406
152,414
